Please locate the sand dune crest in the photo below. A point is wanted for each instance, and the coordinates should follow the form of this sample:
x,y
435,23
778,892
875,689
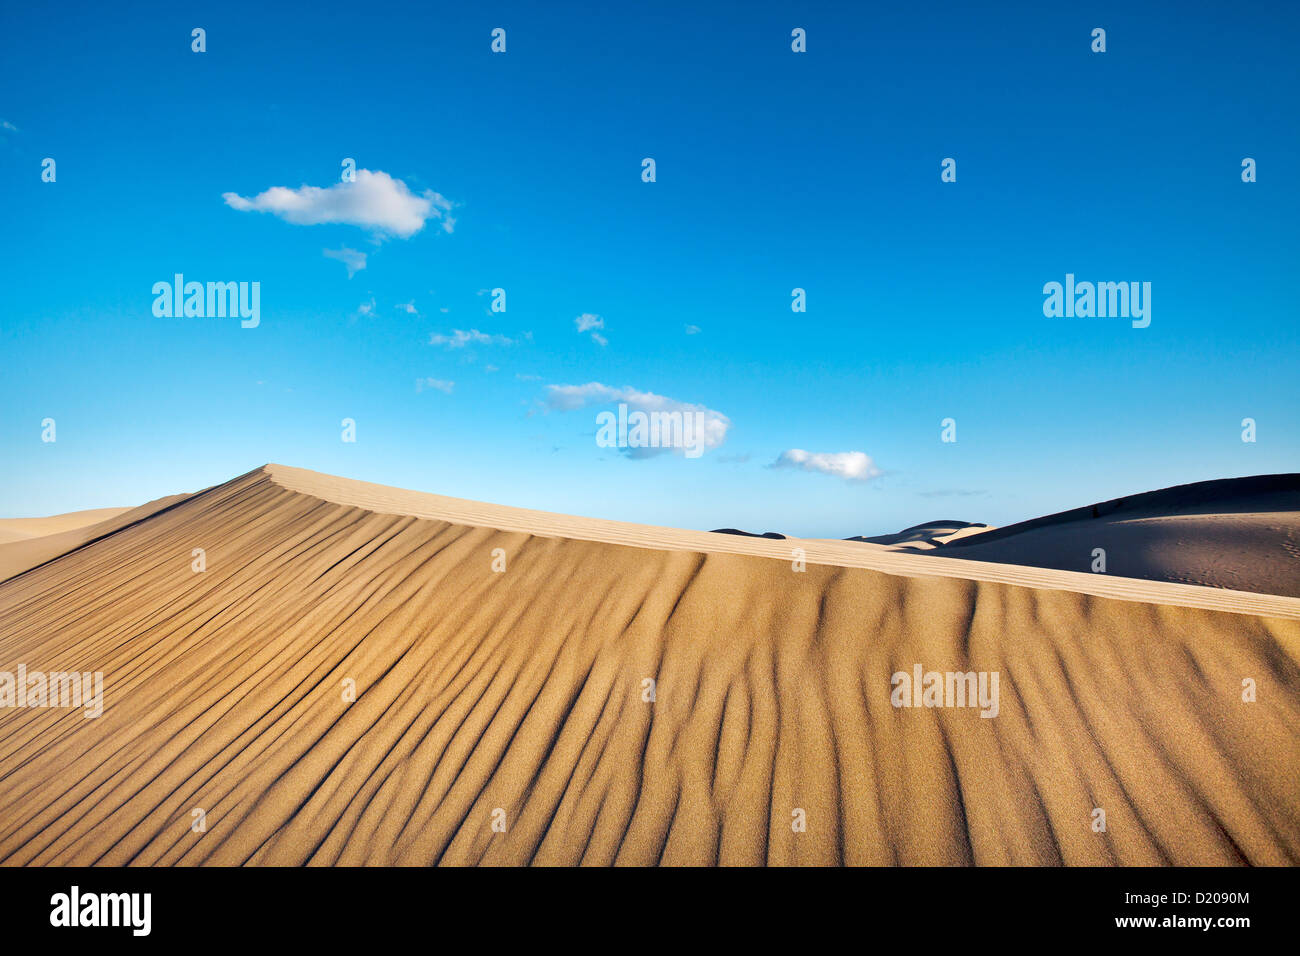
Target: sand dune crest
x,y
519,698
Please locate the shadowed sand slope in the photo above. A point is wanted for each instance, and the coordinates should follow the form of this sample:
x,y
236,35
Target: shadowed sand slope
x,y
519,697
1240,533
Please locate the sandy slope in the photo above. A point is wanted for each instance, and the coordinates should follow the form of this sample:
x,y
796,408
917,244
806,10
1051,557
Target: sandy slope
x,y
522,691
1241,533
21,529
34,541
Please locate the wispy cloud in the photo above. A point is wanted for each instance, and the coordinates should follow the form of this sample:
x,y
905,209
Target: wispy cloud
x,y
849,465
408,307
567,398
375,200
8,126
587,322
438,384
693,330
354,260
367,307
460,338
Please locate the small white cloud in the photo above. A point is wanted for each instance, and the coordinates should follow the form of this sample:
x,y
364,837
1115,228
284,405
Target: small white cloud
x,y
408,307
587,322
567,398
375,200
692,330
527,378
849,465
435,383
460,338
6,125
367,308
491,368
354,260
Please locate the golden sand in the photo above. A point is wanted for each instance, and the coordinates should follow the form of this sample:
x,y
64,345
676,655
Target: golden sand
x,y
517,697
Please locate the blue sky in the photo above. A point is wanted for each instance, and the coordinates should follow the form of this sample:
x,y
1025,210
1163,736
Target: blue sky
x,y
774,170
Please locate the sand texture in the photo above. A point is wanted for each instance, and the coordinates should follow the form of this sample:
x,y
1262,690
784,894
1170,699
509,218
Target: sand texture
x,y
26,543
1242,534
518,697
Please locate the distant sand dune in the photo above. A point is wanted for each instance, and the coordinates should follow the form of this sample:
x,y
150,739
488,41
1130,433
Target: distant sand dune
x,y
522,691
1239,533
33,541
17,529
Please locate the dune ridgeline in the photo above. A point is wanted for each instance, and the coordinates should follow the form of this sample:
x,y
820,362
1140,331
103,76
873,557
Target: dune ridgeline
x,y
299,669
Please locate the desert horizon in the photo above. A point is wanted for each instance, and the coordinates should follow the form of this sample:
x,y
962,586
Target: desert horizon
x,y
330,672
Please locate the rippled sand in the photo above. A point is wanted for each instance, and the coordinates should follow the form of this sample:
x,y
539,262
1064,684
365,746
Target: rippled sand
x,y
517,697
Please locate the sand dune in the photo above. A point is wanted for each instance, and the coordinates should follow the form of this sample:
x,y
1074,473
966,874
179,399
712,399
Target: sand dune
x,y
20,529
33,541
925,537
518,697
1240,533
